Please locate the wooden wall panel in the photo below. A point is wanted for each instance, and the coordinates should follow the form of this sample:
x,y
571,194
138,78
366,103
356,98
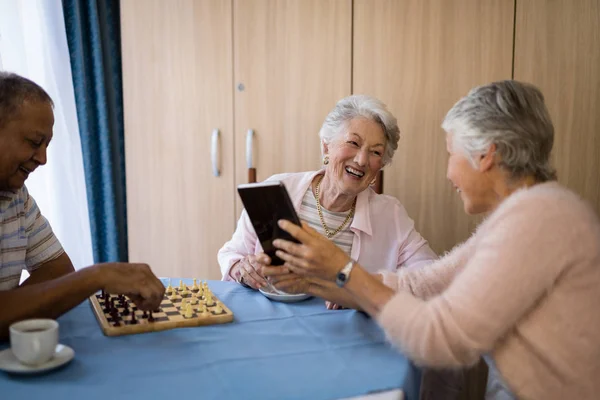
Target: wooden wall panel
x,y
557,48
420,57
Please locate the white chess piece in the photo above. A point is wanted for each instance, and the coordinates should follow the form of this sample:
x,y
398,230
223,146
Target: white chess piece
x,y
189,311
209,300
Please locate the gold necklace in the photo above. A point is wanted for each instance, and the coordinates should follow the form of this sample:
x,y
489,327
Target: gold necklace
x,y
328,232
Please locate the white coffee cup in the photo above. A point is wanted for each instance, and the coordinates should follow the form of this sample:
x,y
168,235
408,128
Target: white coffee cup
x,y
33,341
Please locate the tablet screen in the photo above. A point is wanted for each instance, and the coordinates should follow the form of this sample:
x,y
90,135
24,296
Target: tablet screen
x,y
266,203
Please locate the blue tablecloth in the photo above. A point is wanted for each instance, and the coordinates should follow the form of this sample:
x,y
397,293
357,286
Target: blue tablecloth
x,y
271,351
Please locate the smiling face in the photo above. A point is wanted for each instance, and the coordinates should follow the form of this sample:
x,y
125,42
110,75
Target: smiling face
x,y
355,156
24,139
474,184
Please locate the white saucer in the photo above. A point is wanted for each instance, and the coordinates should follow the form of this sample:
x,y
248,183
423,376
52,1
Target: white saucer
x,y
9,363
284,297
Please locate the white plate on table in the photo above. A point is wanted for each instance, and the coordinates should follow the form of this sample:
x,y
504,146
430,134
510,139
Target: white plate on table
x,y
282,296
9,363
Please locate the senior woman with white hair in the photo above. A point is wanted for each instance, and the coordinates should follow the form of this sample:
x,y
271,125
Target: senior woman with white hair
x,y
523,291
358,138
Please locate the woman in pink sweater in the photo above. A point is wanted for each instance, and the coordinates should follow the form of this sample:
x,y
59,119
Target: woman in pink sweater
x,y
523,291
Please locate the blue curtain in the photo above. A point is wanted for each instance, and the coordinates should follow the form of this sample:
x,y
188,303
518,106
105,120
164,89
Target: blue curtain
x,y
94,37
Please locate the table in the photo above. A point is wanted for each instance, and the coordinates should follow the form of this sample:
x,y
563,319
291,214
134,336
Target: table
x,y
271,351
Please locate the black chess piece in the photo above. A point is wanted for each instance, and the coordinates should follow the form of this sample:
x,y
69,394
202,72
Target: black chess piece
x,y
125,310
133,321
150,317
114,314
106,308
145,314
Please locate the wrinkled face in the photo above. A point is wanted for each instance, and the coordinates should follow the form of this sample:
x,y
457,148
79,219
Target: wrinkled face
x,y
473,185
24,139
356,155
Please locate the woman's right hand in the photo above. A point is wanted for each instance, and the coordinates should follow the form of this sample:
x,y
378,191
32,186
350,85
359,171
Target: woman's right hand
x,y
247,270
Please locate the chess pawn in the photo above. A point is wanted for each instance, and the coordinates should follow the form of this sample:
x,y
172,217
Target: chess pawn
x,y
183,304
189,311
181,284
209,300
193,299
195,287
169,288
218,309
203,310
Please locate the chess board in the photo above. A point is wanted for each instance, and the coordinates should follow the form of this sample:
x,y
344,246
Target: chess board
x,y
169,315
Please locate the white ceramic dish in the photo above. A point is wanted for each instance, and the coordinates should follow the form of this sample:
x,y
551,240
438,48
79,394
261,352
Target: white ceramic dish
x,y
9,363
284,297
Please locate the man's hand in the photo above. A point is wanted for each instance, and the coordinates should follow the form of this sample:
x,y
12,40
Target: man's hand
x,y
137,281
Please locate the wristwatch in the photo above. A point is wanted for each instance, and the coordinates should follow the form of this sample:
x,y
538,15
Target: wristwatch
x,y
344,275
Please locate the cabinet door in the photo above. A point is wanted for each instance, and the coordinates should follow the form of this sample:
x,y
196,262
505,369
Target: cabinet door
x,y
557,48
292,64
420,57
177,77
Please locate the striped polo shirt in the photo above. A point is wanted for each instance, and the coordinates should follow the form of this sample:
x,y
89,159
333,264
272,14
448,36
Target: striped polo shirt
x,y
309,214
26,238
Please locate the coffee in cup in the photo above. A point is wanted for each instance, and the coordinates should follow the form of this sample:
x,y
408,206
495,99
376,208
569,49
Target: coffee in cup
x,y
33,341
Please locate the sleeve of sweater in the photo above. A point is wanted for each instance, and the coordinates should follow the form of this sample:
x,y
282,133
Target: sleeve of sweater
x,y
432,279
515,261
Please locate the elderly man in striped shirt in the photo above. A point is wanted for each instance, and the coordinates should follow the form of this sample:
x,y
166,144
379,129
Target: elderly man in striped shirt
x,y
26,239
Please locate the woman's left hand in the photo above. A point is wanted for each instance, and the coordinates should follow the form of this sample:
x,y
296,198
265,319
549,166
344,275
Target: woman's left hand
x,y
316,255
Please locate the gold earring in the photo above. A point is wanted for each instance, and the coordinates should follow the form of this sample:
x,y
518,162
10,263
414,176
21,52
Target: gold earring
x,y
325,160
373,181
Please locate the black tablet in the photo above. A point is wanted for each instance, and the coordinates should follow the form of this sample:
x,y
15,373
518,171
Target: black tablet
x,y
266,203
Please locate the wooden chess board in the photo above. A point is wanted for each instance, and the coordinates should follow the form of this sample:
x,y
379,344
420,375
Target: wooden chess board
x,y
170,314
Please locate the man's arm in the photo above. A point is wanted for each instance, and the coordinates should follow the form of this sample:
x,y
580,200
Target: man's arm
x,y
53,297
48,299
52,269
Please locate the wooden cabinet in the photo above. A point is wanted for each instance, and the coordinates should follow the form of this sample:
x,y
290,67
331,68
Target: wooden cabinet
x,y
293,59
557,48
177,81
276,67
420,57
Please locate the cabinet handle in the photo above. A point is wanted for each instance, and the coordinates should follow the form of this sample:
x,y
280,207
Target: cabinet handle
x,y
249,160
214,152
249,140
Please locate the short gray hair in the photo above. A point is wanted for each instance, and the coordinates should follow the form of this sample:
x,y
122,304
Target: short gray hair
x,y
14,91
512,115
357,106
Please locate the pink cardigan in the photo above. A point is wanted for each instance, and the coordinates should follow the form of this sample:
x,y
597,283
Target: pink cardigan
x,y
524,288
385,237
